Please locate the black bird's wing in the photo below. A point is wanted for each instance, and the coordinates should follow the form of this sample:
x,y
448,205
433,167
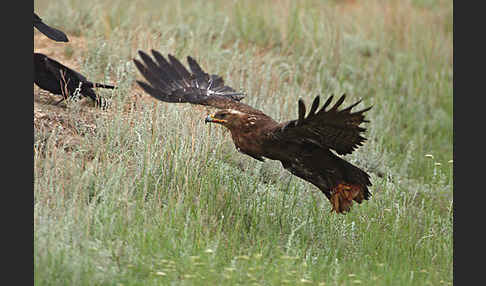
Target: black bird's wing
x,y
44,77
51,33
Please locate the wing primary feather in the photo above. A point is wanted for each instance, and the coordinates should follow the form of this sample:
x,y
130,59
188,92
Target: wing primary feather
x,y
171,74
195,68
328,101
315,105
150,90
152,66
200,76
152,78
183,72
161,68
338,103
301,111
148,60
348,109
363,111
217,81
161,61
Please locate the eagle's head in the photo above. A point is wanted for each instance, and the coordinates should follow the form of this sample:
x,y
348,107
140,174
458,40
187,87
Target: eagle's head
x,y
231,118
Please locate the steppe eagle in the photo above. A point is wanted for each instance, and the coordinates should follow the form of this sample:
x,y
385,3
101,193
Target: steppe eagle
x,y
303,145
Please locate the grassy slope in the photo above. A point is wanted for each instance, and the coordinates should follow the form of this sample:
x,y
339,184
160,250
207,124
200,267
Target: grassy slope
x,y
146,194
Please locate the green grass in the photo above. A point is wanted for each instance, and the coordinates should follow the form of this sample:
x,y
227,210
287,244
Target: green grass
x,y
152,196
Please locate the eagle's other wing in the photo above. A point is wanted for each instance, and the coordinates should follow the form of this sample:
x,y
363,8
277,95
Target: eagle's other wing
x,y
335,129
170,81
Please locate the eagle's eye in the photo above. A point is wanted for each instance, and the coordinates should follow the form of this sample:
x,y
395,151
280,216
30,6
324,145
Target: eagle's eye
x,y
222,115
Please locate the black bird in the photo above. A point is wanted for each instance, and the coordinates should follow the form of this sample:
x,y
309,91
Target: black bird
x,y
56,78
51,33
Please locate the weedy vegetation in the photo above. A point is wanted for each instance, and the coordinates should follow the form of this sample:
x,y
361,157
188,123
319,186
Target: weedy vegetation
x,y
145,194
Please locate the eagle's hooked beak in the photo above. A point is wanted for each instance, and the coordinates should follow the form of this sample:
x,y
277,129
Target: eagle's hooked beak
x,y
210,118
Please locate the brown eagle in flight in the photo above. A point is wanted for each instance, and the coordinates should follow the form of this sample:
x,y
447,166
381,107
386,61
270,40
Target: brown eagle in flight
x,y
303,145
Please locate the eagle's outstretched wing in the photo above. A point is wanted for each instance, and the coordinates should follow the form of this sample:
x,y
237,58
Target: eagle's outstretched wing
x,y
335,129
170,81
50,32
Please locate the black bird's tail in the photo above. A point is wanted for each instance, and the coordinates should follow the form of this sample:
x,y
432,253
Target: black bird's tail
x,y
87,90
101,102
100,85
51,33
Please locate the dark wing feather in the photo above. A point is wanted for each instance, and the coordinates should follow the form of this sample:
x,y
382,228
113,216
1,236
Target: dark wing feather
x,y
332,128
181,70
170,81
51,33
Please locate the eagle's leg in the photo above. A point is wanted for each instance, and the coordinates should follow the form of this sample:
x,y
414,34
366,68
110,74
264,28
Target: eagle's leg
x,y
342,197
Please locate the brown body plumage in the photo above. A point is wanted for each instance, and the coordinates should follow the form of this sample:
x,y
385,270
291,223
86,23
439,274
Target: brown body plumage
x,y
303,146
